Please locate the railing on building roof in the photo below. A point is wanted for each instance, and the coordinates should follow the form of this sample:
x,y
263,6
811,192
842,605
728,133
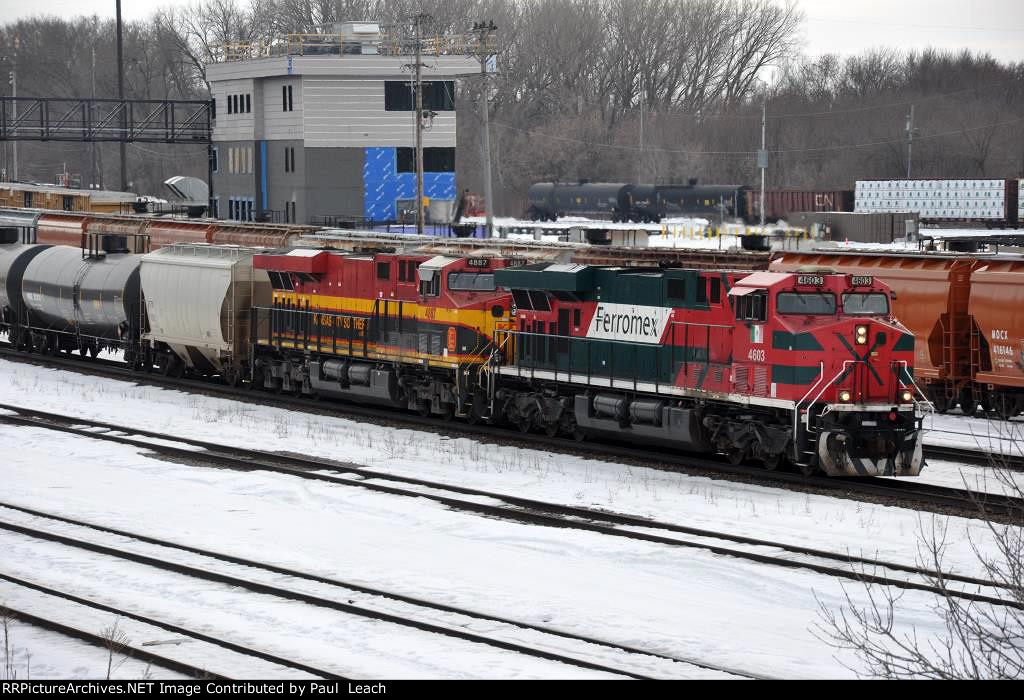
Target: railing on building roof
x,y
345,45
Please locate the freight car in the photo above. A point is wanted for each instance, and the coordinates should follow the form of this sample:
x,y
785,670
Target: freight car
x,y
63,299
617,201
992,202
71,228
646,203
966,316
806,368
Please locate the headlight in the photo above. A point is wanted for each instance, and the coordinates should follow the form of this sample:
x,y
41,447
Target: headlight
x,y
861,336
844,396
906,396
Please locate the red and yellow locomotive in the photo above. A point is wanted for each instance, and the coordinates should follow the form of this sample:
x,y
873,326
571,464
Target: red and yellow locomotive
x,y
401,329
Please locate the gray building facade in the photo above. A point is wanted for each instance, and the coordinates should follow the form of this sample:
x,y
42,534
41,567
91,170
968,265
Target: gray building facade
x,y
323,129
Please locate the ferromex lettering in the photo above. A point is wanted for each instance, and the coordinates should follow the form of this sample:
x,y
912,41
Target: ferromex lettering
x,y
636,324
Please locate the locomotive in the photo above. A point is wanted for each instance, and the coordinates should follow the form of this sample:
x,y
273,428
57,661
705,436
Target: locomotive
x,y
805,368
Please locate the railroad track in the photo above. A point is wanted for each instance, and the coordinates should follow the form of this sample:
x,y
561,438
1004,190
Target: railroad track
x,y
532,511
138,652
353,599
939,499
1014,462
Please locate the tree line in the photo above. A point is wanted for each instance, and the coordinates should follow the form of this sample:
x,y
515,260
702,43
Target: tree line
x,y
614,90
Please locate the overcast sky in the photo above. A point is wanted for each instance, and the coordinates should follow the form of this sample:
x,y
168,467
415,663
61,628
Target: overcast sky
x,y
846,26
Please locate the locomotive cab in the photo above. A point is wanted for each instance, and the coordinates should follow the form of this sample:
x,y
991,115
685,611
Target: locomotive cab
x,y
829,343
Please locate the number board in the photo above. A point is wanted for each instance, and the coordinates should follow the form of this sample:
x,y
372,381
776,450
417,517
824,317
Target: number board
x,y
478,262
861,280
811,280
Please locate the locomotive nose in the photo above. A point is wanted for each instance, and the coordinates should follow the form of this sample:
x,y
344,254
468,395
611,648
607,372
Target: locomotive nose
x,y
870,372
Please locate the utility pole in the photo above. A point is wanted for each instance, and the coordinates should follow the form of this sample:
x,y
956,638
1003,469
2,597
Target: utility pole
x,y
14,111
92,116
419,121
485,30
640,169
762,156
910,138
120,95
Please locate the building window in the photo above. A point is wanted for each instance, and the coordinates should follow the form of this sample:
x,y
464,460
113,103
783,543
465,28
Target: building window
x,y
286,98
216,208
248,160
289,160
215,159
438,95
435,160
213,108
248,102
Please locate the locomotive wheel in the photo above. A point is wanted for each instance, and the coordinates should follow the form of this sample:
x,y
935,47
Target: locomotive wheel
x,y
447,412
941,403
524,424
551,429
423,408
736,455
772,462
807,469
579,434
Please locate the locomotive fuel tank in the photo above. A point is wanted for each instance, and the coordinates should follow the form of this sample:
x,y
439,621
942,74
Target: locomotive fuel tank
x,y
97,296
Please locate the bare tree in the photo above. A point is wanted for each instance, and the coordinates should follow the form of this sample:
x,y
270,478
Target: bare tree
x,y
980,640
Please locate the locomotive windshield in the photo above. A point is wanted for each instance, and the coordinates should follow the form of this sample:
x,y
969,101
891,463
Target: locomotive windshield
x,y
868,304
471,281
806,303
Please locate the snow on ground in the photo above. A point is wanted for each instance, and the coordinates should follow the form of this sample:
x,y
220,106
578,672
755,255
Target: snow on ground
x,y
679,601
38,655
334,641
673,600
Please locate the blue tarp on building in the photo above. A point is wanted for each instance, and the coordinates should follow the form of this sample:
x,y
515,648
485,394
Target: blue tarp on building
x,y
383,185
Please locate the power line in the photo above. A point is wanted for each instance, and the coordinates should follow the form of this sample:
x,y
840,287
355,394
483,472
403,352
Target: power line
x,y
816,149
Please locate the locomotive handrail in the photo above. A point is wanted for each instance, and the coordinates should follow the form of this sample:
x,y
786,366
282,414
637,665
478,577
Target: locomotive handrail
x,y
796,408
841,372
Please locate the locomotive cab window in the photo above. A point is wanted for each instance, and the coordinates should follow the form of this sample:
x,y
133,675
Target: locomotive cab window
x,y
383,270
808,303
752,307
471,282
866,304
430,282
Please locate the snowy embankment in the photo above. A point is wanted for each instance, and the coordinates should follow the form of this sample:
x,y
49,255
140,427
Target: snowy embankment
x,y
678,601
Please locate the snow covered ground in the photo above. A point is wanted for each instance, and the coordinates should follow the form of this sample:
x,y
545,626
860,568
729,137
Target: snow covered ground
x,y
677,601
38,654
